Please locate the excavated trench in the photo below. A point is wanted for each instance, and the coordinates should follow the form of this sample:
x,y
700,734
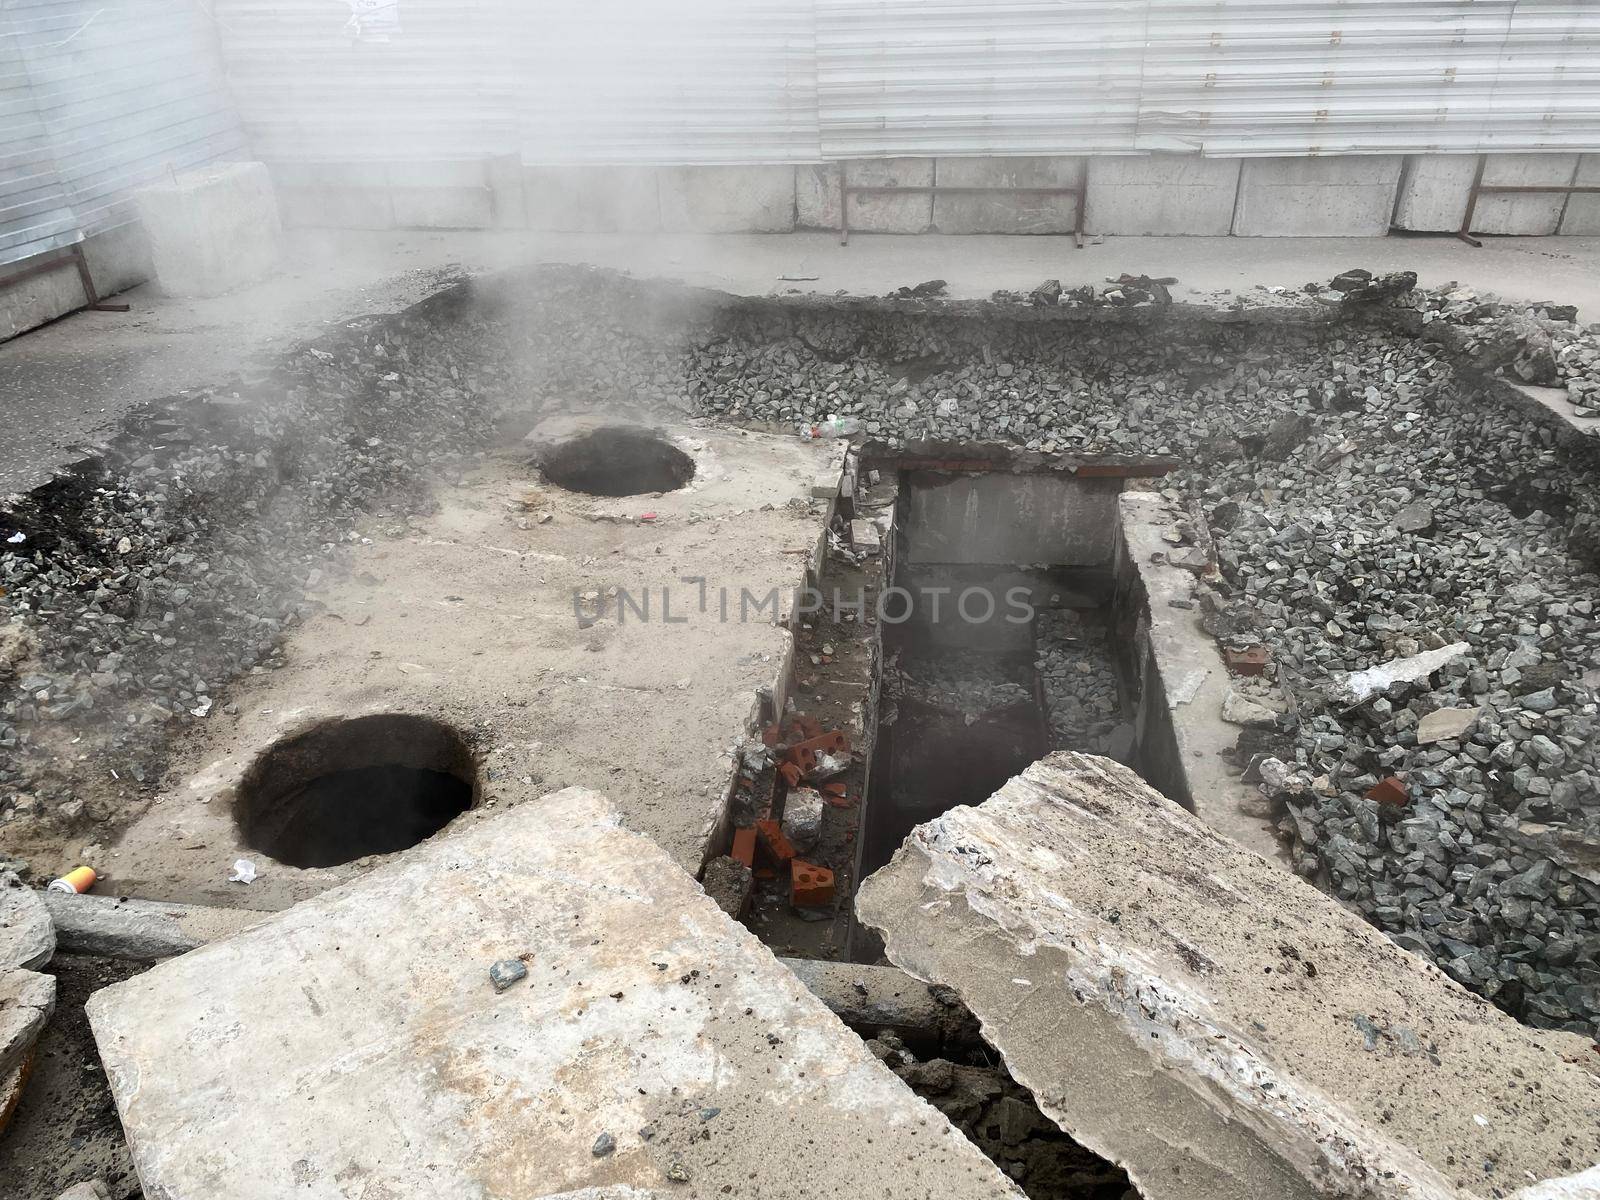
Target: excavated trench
x,y
175,561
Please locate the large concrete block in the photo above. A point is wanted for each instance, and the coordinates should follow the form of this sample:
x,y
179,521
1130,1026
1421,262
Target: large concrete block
x,y
911,213
118,259
334,195
510,207
727,199
441,194
1345,196
1162,194
1217,1026
1433,192
592,199
212,230
1007,214
1583,212
356,1046
1534,215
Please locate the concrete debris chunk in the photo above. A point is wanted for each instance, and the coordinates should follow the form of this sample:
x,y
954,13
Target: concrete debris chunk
x,y
26,1001
1359,685
1214,1025
355,1037
139,930
93,1189
1446,724
27,938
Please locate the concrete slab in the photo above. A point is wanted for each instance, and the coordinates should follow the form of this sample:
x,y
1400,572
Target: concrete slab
x,y
118,259
507,650
1007,214
1583,212
334,195
1433,192
592,199
727,199
654,1045
1344,196
26,1001
1162,194
212,230
1525,216
27,936
1218,1027
1185,683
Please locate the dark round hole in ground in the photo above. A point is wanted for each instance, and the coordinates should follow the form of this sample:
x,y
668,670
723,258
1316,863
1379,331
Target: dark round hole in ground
x,y
347,789
618,462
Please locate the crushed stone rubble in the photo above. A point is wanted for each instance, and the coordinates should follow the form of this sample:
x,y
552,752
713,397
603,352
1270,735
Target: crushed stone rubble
x,y
1371,491
1079,678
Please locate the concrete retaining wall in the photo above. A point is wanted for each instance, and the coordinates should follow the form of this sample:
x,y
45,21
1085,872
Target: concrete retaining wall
x,y
1132,195
118,260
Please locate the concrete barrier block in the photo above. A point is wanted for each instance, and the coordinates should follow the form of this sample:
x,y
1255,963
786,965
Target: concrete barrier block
x,y
504,172
592,199
1583,212
1532,215
322,195
118,259
1162,194
816,196
1346,196
1433,192
1007,214
727,199
442,207
889,214
212,230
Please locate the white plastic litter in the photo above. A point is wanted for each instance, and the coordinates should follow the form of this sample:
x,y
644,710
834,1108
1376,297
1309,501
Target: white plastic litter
x,y
244,871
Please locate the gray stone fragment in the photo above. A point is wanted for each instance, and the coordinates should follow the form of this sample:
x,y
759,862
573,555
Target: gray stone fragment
x,y
1241,710
27,938
26,1000
1446,724
507,972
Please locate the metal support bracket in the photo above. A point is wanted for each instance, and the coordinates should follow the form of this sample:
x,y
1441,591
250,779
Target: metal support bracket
x,y
1480,188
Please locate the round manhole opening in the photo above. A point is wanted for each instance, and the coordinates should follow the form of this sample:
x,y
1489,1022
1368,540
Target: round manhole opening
x,y
350,788
617,462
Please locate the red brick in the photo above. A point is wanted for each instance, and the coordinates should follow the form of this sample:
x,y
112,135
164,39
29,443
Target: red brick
x,y
744,846
1252,661
810,886
770,834
1391,791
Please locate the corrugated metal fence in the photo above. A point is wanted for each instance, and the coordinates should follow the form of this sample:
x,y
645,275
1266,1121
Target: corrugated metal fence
x,y
100,96
719,81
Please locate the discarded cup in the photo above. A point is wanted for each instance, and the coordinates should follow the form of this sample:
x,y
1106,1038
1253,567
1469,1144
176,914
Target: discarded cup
x,y
76,881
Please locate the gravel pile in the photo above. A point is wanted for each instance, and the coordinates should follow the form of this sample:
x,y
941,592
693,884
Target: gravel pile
x,y
1079,676
970,682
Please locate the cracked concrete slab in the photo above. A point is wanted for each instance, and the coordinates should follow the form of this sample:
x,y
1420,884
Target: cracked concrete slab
x,y
1219,1028
27,937
356,1046
26,1000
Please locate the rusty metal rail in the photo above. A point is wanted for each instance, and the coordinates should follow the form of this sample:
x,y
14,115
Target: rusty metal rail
x,y
848,189
74,256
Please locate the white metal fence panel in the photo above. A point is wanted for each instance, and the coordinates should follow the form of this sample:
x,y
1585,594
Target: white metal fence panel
x,y
979,77
1278,77
35,215
422,80
691,82
124,91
